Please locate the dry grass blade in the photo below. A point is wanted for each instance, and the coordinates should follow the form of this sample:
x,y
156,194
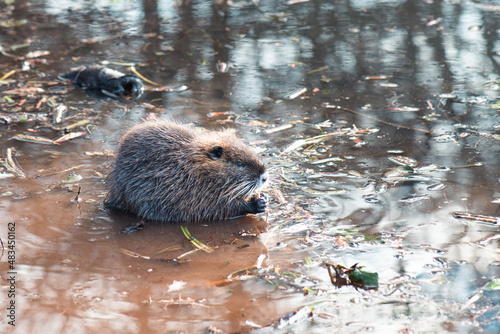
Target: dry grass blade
x,y
187,253
8,74
169,249
132,68
197,243
12,166
133,254
230,276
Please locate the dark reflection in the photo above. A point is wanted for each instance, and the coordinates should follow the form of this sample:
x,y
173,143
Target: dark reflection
x,y
231,245
102,82
151,17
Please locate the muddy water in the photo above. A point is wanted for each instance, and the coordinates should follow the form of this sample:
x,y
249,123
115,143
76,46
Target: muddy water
x,y
416,79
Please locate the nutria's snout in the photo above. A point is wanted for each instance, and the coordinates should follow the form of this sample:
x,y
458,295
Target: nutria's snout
x,y
263,180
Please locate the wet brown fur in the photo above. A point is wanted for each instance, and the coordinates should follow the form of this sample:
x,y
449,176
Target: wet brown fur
x,y
172,172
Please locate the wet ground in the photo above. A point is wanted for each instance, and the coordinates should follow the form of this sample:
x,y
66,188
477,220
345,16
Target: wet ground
x,y
377,119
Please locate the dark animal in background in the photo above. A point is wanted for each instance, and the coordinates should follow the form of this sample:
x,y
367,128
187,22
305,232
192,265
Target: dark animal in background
x,y
102,80
171,172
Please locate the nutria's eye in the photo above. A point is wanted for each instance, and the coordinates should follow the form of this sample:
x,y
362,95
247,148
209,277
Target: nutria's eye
x,y
239,163
216,152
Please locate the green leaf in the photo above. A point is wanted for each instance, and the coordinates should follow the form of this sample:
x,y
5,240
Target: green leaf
x,y
493,285
363,278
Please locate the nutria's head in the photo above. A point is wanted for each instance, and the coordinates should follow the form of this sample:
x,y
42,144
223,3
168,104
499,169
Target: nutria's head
x,y
229,164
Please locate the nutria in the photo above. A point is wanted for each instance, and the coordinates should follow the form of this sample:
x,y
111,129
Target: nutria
x,y
97,79
178,173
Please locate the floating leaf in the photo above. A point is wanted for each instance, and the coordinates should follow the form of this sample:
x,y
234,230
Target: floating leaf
x,y
492,85
340,276
493,285
364,279
72,177
495,105
12,23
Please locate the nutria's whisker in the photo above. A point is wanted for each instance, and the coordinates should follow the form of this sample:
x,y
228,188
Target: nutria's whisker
x,y
244,191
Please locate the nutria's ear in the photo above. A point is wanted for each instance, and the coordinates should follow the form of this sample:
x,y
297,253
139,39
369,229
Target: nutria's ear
x,y
216,152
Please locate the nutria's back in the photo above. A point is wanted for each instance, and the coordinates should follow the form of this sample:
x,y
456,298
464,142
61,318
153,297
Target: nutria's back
x,y
172,172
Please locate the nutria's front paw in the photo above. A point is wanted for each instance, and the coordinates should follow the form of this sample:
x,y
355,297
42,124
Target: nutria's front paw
x,y
260,203
257,204
254,205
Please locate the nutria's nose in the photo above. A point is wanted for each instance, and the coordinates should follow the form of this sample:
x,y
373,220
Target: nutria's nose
x,y
263,177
